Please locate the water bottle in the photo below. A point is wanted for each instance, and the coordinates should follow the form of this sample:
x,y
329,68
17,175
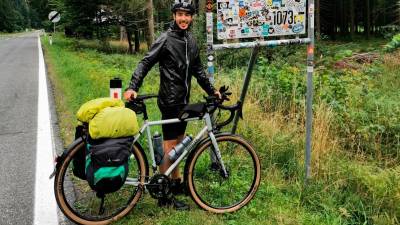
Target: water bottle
x,y
178,149
158,148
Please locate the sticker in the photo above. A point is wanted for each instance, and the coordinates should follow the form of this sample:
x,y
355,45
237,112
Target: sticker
x,y
232,34
278,29
276,3
210,39
291,3
210,70
300,8
298,28
223,5
222,36
285,26
299,18
310,69
265,30
312,21
271,30
209,19
209,5
249,18
310,50
242,12
311,9
273,43
220,26
210,64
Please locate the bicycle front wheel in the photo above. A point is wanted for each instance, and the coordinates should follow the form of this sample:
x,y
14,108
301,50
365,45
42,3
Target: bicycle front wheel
x,y
80,203
219,191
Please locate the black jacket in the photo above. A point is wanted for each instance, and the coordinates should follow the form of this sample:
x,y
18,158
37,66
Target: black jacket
x,y
179,58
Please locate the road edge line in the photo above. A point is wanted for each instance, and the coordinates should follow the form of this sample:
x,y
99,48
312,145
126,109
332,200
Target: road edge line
x,y
45,207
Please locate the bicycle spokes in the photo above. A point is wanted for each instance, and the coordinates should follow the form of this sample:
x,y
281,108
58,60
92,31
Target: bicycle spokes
x,y
228,183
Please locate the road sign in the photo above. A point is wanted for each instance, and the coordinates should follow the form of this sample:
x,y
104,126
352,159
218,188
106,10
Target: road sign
x,y
260,18
54,16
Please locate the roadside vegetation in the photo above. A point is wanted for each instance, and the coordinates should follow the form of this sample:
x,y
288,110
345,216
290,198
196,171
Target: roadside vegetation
x,y
356,129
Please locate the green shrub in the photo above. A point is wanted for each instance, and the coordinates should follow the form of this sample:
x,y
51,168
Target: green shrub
x,y
278,84
394,44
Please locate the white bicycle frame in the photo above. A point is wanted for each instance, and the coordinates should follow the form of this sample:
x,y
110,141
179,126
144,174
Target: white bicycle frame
x,y
208,128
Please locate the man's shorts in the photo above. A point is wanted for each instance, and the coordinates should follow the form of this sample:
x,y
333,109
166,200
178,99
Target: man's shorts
x,y
173,130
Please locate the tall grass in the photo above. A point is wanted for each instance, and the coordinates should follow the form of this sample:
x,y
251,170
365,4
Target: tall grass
x,y
347,186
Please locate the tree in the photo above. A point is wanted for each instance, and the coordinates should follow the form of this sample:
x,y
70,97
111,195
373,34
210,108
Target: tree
x,y
150,22
368,19
8,16
130,14
79,16
318,19
14,15
39,10
352,19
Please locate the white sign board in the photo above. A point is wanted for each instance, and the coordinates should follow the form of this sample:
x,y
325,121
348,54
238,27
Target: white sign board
x,y
260,18
54,16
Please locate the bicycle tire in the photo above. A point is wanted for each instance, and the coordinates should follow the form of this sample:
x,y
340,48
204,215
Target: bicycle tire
x,y
77,201
208,187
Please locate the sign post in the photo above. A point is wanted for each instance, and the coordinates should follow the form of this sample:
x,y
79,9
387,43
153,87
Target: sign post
x,y
261,21
54,17
310,89
210,41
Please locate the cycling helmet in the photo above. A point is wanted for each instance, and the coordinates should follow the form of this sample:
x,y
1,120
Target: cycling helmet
x,y
185,5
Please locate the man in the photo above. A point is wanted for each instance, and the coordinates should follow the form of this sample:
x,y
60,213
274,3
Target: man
x,y
178,55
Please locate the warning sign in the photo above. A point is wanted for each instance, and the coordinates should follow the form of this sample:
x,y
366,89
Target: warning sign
x,y
260,18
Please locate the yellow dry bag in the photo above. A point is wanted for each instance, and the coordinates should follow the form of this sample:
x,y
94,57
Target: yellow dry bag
x,y
88,110
113,122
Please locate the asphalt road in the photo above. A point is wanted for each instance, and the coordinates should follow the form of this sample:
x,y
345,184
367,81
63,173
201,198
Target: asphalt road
x,y
19,77
18,121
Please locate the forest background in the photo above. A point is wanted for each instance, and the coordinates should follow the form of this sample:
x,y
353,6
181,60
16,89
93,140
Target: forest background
x,y
356,129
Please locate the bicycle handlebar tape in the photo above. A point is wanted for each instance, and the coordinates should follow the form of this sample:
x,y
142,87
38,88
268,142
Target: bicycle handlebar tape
x,y
115,88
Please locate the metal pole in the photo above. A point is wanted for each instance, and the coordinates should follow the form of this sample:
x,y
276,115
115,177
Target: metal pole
x,y
269,43
210,41
310,71
247,78
210,59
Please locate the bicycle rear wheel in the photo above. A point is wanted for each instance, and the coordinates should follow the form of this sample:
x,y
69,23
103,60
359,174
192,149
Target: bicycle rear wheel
x,y
207,184
79,202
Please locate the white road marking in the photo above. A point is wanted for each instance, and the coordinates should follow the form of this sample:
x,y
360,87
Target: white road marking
x,y
45,211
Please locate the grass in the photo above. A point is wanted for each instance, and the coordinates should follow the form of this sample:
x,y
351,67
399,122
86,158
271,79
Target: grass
x,y
348,186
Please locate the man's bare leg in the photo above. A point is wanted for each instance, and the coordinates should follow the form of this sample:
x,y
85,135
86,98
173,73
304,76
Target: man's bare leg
x,y
175,175
168,145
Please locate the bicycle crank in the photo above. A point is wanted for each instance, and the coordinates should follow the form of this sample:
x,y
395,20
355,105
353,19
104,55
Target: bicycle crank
x,y
159,186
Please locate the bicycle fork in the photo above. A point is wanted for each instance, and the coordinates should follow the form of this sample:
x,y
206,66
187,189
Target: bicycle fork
x,y
215,149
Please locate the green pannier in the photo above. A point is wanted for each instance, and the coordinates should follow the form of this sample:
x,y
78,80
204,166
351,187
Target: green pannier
x,y
107,164
104,160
